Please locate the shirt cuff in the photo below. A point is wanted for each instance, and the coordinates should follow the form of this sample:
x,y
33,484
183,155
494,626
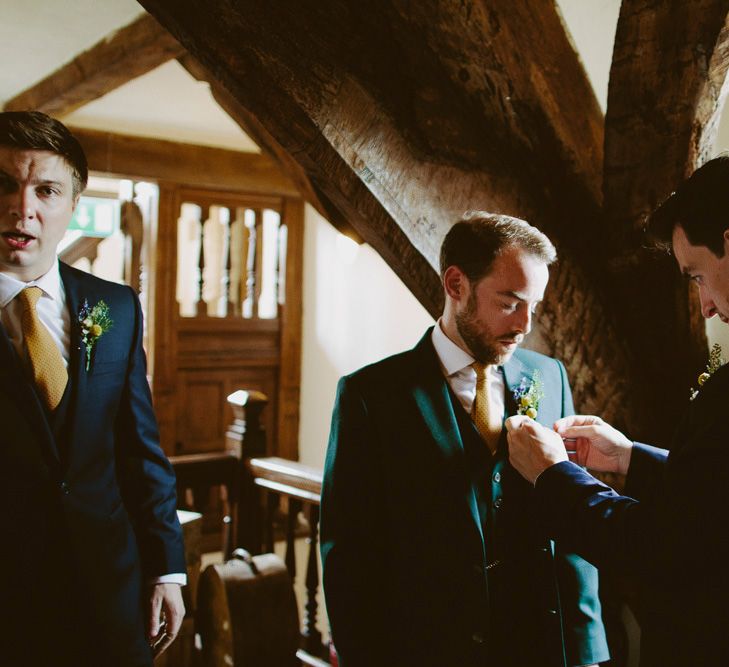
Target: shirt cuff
x,y
175,578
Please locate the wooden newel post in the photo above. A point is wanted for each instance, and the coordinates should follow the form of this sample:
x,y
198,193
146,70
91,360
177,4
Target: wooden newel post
x,y
246,436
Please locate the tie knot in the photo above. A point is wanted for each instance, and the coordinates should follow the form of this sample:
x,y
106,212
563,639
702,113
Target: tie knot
x,y
29,297
481,370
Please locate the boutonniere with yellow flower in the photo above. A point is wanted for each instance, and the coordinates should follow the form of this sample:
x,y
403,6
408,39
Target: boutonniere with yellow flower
x,y
528,395
716,361
95,322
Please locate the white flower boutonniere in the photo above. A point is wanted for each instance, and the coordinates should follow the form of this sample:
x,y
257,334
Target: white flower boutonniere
x,y
95,322
716,361
528,395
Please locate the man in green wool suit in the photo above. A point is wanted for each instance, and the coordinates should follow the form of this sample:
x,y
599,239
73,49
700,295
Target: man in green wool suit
x,y
431,550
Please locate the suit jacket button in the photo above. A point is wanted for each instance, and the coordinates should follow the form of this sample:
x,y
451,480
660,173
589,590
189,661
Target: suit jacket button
x,y
65,489
497,503
497,477
477,637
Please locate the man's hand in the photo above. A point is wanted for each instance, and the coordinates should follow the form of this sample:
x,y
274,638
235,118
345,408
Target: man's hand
x,y
533,448
599,446
166,611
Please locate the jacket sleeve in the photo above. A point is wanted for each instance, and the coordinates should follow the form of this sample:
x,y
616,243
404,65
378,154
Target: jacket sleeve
x,y
145,475
585,638
645,480
352,540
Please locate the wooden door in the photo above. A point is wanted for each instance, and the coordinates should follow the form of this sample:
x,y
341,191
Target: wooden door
x,y
227,314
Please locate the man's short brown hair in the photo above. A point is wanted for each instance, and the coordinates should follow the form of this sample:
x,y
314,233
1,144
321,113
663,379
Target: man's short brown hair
x,y
33,130
474,242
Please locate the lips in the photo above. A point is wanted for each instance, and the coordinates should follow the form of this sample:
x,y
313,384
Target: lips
x,y
509,341
17,240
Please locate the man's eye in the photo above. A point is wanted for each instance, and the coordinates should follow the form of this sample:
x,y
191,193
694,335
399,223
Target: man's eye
x,y
47,191
508,306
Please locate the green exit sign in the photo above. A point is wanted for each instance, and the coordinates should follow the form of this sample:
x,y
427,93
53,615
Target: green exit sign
x,y
96,216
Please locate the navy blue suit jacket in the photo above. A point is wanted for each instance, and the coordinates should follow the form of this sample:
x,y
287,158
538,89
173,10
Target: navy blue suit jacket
x,y
669,532
89,505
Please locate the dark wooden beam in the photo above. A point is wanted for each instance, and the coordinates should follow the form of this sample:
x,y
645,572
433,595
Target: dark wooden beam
x,y
120,57
665,96
186,164
403,115
664,99
420,108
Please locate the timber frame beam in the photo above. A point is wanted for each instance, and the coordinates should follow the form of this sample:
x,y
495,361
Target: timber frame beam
x,y
189,164
122,56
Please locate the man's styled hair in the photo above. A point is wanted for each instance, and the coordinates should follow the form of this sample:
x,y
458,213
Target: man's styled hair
x,y
33,130
700,206
474,242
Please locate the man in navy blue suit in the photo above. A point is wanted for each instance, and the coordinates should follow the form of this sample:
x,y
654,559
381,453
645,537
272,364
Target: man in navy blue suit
x,y
669,531
92,561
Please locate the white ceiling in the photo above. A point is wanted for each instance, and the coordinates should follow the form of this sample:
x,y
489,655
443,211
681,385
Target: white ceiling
x,y
165,103
38,36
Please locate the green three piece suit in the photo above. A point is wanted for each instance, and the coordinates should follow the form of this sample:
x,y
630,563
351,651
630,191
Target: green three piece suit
x,y
431,550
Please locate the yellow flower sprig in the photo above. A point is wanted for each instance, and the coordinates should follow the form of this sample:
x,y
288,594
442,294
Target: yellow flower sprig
x,y
716,361
528,395
95,322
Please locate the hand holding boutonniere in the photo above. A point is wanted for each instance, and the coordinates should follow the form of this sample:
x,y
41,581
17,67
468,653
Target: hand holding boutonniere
x,y
95,322
716,361
528,395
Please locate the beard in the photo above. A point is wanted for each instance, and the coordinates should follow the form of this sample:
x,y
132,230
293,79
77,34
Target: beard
x,y
480,338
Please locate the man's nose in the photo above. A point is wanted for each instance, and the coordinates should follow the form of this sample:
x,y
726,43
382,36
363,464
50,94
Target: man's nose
x,y
524,320
22,205
708,307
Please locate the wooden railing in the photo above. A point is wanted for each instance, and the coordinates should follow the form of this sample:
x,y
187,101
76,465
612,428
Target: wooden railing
x,y
265,499
300,486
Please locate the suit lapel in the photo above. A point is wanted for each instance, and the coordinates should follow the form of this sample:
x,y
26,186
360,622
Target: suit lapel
x,y
77,350
514,370
434,403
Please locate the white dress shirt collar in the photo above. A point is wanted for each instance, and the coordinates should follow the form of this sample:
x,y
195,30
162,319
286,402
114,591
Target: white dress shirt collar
x,y
49,282
452,357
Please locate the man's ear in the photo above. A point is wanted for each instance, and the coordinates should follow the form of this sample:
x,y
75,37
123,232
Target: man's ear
x,y
455,283
726,239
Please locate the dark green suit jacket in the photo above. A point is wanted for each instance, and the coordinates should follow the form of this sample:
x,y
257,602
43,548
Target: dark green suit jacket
x,y
415,511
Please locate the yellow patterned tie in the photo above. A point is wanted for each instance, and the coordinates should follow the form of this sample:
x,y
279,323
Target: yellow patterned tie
x,y
488,424
49,371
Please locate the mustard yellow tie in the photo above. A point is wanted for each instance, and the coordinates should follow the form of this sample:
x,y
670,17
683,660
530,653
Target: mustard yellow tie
x,y
487,422
46,362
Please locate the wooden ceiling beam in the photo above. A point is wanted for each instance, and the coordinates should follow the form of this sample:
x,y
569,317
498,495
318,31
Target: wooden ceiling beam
x,y
434,114
665,95
120,57
403,115
188,164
